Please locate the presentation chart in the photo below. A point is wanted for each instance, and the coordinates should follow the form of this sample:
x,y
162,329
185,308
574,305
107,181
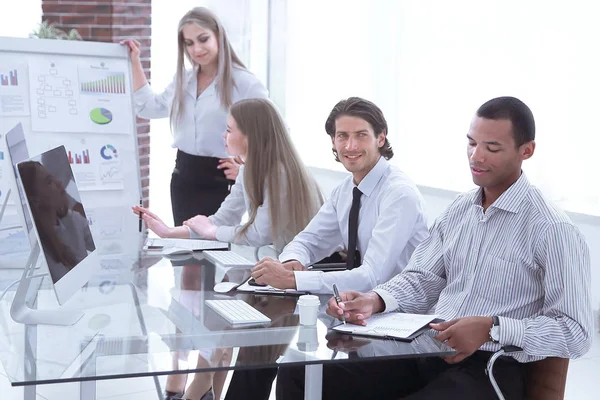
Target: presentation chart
x,y
107,228
101,116
12,79
111,84
95,163
54,96
79,158
108,152
13,90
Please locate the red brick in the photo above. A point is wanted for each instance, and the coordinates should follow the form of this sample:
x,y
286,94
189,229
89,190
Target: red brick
x,y
56,8
77,19
143,131
125,9
104,33
94,9
132,32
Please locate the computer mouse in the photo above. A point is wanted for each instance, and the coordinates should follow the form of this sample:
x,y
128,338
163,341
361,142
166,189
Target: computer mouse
x,y
224,287
99,321
176,251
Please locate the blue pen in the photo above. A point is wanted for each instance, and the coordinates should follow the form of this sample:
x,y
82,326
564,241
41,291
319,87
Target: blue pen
x,y
338,300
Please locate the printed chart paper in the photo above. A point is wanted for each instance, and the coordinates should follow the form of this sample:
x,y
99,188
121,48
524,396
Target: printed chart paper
x,y
104,90
96,162
13,89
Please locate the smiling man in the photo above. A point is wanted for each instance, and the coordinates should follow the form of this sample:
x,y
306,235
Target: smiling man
x,y
376,214
502,266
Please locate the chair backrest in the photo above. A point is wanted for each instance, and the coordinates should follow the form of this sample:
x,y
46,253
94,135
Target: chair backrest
x,y
546,379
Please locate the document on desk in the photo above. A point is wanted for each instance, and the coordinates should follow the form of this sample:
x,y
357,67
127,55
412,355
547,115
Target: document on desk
x,y
189,244
248,288
392,325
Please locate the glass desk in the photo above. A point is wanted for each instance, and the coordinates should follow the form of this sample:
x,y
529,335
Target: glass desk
x,y
145,312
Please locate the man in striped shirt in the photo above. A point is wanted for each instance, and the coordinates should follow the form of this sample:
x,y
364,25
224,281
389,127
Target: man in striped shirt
x,y
504,266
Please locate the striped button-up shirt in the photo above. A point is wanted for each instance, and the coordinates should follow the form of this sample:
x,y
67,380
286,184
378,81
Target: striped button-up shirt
x,y
522,259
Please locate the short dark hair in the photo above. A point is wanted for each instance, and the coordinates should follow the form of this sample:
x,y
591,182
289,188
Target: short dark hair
x,y
513,109
364,109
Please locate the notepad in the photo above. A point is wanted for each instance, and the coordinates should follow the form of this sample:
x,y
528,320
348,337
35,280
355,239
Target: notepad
x,y
392,325
189,244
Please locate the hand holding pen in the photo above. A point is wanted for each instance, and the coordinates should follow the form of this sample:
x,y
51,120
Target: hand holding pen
x,y
357,306
338,300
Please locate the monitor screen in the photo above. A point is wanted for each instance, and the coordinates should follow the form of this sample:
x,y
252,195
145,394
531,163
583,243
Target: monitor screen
x,y
58,215
17,151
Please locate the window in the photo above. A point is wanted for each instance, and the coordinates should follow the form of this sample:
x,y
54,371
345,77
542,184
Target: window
x,y
430,64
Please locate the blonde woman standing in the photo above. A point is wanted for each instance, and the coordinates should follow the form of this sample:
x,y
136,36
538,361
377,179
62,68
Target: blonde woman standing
x,y
197,103
273,186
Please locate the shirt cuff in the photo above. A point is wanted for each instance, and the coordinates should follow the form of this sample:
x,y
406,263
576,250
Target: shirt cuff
x,y
309,281
512,332
390,302
225,233
193,234
284,256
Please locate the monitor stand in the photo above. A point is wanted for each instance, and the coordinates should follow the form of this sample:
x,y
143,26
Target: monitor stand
x,y
20,310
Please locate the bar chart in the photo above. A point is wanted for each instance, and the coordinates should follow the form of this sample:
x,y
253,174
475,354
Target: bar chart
x,y
75,158
12,79
111,84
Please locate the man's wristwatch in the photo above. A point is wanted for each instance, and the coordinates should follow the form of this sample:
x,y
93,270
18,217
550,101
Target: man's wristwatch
x,y
495,330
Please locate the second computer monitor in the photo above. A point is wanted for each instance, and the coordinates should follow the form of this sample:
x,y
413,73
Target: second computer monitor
x,y
59,221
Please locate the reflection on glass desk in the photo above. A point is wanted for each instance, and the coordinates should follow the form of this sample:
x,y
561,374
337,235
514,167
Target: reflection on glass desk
x,y
144,311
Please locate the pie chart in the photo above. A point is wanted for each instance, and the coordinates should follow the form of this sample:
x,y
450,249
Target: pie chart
x,y
101,116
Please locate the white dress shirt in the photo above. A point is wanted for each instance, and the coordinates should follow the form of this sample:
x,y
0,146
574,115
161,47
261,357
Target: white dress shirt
x,y
229,216
391,223
522,260
204,119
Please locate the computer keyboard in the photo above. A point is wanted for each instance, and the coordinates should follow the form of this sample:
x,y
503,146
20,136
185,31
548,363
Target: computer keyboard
x,y
229,259
237,312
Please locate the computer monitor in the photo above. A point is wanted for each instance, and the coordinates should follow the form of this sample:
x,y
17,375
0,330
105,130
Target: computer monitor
x,y
17,237
59,221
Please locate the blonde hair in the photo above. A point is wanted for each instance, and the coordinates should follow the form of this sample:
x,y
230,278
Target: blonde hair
x,y
226,59
273,166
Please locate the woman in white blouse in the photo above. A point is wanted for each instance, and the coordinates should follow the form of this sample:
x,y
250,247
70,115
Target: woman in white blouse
x,y
197,103
273,186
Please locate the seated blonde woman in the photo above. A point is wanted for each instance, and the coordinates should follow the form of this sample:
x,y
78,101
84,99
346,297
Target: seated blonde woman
x,y
273,186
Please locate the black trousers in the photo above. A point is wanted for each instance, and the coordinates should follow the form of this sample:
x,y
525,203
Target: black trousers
x,y
411,379
197,187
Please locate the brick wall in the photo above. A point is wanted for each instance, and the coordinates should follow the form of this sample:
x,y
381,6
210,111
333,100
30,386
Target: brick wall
x,y
111,21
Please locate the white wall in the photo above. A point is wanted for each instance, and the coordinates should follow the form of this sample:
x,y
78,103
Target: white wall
x,y
437,200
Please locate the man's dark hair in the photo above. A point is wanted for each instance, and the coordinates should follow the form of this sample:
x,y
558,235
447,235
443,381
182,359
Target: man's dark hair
x,y
364,109
513,109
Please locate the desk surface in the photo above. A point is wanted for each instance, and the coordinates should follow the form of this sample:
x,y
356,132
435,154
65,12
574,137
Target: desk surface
x,y
144,311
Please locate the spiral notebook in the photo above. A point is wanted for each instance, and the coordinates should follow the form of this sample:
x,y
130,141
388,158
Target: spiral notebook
x,y
392,325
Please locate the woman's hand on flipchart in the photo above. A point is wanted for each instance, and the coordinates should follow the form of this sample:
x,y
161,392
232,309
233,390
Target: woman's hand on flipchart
x,y
134,49
153,222
231,167
202,226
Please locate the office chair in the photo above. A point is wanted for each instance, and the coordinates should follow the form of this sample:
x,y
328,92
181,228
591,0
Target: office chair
x,y
544,380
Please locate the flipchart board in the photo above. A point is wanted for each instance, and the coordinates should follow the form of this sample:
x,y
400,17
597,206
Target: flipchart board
x,y
76,94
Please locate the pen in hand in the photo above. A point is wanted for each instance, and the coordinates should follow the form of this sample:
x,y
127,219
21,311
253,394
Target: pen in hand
x,y
338,300
140,223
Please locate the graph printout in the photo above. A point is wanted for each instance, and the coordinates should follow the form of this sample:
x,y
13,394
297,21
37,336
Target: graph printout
x,y
96,161
13,89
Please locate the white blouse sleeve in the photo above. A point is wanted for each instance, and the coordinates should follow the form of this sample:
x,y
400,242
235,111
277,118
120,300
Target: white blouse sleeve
x,y
151,105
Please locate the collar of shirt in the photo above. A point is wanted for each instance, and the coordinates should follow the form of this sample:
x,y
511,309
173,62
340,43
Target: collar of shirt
x,y
512,198
370,181
192,85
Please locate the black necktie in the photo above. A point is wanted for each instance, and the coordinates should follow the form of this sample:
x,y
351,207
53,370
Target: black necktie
x,y
353,259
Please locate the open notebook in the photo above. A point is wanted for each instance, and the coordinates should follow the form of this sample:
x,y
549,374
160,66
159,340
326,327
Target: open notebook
x,y
392,325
